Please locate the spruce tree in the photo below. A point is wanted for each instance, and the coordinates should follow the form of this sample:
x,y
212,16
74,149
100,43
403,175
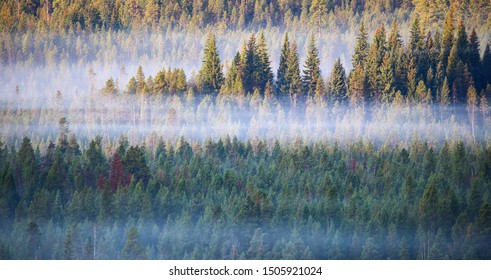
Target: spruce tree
x,y
140,80
251,64
282,83
311,71
474,59
374,61
265,72
337,83
472,108
210,74
293,74
462,43
486,66
361,48
447,36
133,250
68,246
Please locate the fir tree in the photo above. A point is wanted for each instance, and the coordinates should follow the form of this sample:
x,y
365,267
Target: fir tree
x,y
282,81
311,71
472,108
265,72
486,66
474,59
462,43
337,82
140,81
133,250
68,246
361,48
211,75
251,64
293,74
447,37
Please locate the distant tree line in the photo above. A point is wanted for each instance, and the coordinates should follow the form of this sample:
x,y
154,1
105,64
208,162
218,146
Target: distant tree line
x,y
142,14
444,68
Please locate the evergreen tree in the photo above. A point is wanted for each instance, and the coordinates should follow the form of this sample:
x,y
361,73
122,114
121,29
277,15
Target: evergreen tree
x,y
140,81
265,73
474,59
68,246
337,82
472,108
447,36
293,74
486,66
27,169
133,250
461,43
132,86
250,75
374,62
357,86
282,81
318,15
211,75
361,48
311,72
34,239
135,164
110,87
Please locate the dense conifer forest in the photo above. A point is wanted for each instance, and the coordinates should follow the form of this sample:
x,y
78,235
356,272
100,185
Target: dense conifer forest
x,y
227,129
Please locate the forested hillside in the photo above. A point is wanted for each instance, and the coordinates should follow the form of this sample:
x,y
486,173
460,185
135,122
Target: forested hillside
x,y
186,14
242,200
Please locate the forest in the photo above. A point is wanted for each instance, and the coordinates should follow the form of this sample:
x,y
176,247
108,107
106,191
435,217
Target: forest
x,y
245,129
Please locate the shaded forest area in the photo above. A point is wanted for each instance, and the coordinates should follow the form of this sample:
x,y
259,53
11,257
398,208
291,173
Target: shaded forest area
x,y
242,200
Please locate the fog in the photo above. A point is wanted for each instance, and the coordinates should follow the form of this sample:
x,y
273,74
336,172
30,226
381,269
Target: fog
x,y
197,118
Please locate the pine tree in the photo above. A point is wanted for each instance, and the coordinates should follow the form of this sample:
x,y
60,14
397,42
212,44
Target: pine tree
x,y
140,81
416,42
210,74
135,165
282,82
251,64
133,250
447,37
395,41
461,43
374,62
486,66
357,87
27,169
337,83
474,59
34,240
132,86
318,15
361,48
265,72
160,84
311,71
110,87
444,97
68,246
472,108
117,177
387,80
293,74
